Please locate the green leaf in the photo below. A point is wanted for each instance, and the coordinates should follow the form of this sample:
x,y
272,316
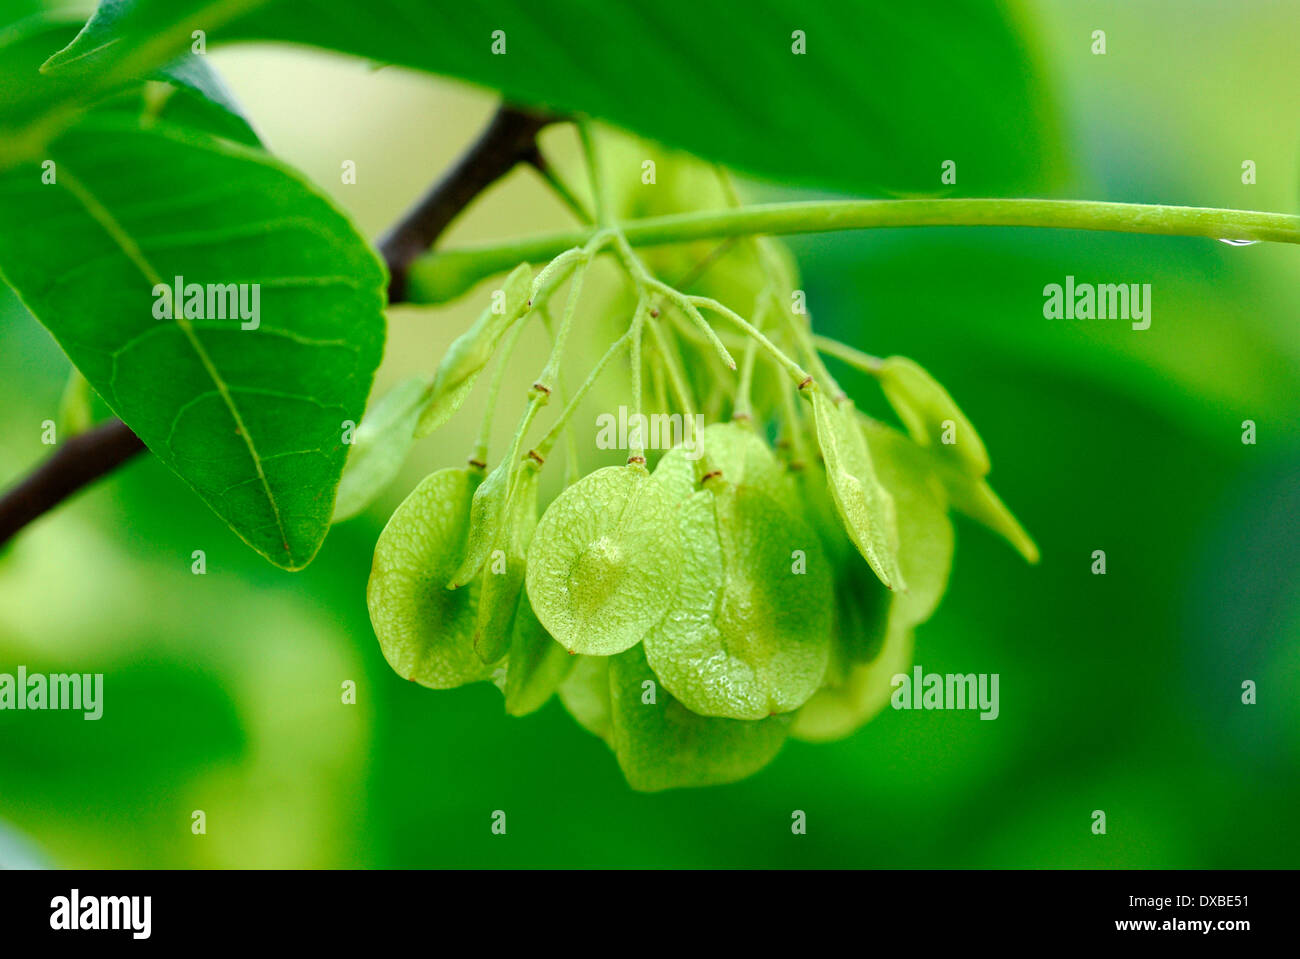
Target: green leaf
x,y
661,744
469,353
379,447
585,694
538,664
503,576
925,407
200,98
604,561
251,418
748,632
425,629
880,96
864,505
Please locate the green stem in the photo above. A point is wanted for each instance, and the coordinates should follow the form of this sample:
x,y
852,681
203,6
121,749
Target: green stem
x,y
594,173
674,369
472,263
637,453
563,191
742,409
796,371
494,392
842,351
544,446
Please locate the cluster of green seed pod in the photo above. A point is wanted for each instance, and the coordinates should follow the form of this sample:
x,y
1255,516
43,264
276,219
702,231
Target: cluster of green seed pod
x,y
760,580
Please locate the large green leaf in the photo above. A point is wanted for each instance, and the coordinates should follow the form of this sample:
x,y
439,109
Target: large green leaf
x,y
882,95
252,417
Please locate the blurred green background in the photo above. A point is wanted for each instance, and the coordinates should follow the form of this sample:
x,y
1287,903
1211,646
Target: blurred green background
x,y
1119,692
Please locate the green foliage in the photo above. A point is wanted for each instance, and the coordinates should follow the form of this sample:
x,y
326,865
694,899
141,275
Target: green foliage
x,y
247,409
694,617
862,69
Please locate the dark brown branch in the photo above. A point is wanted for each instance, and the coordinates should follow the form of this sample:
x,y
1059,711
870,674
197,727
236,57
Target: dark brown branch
x,y
510,138
81,460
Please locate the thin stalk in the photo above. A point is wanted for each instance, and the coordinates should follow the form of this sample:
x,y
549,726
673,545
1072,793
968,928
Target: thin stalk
x,y
675,376
742,409
826,216
561,189
594,174
842,351
787,363
544,445
480,456
636,454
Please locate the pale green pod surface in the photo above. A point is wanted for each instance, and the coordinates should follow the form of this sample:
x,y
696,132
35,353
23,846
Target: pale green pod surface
x,y
864,506
604,561
743,459
925,533
731,449
860,685
677,474
748,633
924,406
838,711
380,446
503,573
470,352
660,744
585,694
975,498
426,630
537,665
487,520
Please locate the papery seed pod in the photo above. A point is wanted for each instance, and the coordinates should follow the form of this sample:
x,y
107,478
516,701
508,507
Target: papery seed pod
x,y
925,407
426,630
585,694
469,353
863,504
503,574
747,633
604,560
538,664
660,744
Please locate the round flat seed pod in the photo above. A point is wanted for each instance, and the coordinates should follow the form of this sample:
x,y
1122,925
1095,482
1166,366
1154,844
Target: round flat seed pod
x,y
660,744
604,561
748,633
425,629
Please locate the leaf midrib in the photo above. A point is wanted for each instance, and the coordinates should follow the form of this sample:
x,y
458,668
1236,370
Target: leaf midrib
x,y
122,238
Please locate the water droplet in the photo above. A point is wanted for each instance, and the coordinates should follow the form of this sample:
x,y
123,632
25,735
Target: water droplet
x,y
1238,242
